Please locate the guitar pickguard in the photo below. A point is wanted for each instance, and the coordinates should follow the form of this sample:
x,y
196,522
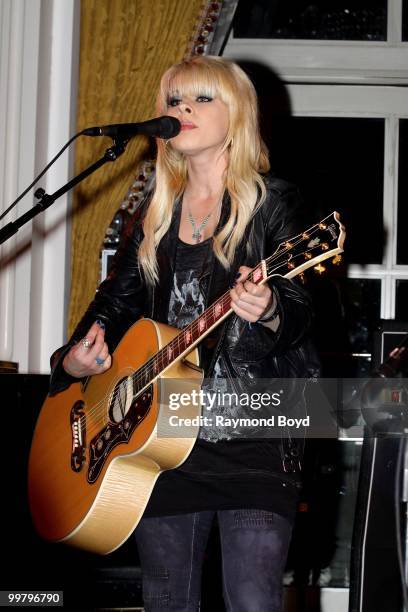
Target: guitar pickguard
x,y
117,432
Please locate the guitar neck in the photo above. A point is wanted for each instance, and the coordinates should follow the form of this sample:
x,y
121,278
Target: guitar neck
x,y
184,342
190,336
292,257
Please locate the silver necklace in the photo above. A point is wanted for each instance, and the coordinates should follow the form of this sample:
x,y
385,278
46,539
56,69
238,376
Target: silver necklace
x,y
197,235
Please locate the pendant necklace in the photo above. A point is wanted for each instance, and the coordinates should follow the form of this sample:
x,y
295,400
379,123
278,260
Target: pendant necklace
x,y
197,235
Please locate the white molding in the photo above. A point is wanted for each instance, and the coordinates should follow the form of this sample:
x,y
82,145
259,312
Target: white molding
x,y
326,61
25,168
387,297
390,210
374,271
391,164
55,113
12,36
330,100
394,21
334,599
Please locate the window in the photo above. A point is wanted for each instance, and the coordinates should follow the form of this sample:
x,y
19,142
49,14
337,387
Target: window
x,y
320,19
337,125
338,164
402,221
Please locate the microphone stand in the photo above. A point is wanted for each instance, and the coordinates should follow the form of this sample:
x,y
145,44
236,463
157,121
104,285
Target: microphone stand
x,y
46,200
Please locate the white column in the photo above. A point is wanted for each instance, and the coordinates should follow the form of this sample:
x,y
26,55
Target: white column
x,y
12,15
58,68
38,77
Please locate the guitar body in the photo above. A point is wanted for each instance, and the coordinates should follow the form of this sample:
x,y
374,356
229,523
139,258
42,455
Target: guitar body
x,y
96,451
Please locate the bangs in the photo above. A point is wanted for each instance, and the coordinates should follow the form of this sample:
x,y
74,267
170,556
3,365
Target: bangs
x,y
190,80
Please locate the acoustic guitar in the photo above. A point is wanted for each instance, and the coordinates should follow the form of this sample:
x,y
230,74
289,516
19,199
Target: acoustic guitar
x,y
100,445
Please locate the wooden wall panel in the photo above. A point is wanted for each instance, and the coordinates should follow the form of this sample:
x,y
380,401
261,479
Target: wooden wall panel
x,y
125,47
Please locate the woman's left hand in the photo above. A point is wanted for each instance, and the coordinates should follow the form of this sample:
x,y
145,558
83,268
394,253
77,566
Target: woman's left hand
x,y
248,300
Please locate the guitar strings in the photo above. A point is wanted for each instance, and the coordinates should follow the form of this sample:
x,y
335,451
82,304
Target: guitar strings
x,y
146,371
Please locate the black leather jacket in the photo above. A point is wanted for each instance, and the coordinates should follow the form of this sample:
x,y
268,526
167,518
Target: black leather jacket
x,y
251,351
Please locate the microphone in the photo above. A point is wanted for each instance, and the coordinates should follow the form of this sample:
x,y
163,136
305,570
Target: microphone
x,y
161,127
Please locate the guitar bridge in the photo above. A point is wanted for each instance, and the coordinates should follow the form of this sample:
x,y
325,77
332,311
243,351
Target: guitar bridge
x,y
78,432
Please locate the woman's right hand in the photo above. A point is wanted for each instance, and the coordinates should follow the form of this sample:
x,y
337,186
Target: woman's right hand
x,y
90,355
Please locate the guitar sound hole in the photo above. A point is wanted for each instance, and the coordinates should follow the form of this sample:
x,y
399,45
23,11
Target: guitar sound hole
x,y
124,404
121,400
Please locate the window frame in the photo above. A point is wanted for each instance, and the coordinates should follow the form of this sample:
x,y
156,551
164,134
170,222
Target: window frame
x,y
348,79
335,61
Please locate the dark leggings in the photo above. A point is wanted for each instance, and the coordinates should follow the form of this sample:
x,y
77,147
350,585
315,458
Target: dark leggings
x,y
254,545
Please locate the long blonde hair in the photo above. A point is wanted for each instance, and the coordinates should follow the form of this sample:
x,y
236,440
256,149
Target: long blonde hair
x,y
248,156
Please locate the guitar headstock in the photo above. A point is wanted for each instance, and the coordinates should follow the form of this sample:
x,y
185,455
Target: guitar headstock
x,y
319,242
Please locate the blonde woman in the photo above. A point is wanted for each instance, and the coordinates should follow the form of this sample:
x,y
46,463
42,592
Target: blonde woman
x,y
215,212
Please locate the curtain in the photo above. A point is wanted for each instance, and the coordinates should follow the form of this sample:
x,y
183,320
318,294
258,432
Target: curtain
x,y
125,46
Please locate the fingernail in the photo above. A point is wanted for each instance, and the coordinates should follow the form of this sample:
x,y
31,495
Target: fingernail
x,y
100,323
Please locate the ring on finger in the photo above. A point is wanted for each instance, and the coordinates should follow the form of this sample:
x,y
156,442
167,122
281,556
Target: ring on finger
x,y
100,361
86,343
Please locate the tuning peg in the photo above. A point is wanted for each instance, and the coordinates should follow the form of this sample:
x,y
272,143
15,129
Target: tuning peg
x,y
337,259
322,226
308,255
319,269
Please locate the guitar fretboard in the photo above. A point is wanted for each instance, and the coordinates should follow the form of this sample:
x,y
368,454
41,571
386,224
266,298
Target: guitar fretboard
x,y
188,337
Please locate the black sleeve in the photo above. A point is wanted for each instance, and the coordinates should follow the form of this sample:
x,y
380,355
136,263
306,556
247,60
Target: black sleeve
x,y
283,219
119,301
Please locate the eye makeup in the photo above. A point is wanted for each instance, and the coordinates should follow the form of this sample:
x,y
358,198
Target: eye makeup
x,y
175,100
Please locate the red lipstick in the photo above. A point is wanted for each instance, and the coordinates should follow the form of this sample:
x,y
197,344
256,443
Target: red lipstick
x,y
187,126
